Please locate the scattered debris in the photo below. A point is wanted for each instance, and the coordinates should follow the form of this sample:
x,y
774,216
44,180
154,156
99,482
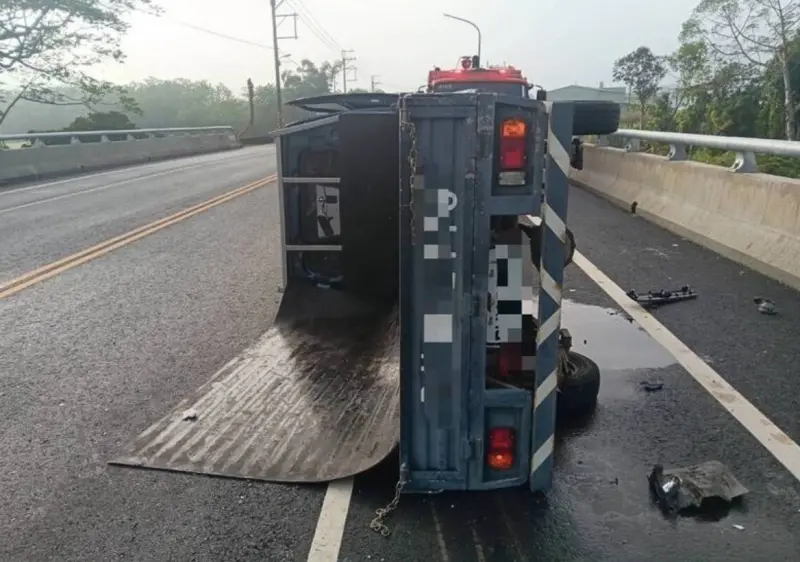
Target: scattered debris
x,y
652,386
765,306
680,488
654,299
739,527
190,415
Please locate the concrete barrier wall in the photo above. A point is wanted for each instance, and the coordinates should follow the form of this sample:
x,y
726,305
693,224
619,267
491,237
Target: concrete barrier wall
x,y
753,219
38,162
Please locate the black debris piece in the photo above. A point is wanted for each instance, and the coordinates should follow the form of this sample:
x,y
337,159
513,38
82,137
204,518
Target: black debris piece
x,y
652,386
765,306
678,489
654,299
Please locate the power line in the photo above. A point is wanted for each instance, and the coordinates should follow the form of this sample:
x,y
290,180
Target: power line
x,y
277,55
205,30
315,26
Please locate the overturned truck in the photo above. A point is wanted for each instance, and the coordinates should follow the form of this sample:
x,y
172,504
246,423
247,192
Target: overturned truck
x,y
408,314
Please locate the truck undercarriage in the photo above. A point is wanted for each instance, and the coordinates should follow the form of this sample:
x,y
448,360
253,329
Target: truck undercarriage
x,y
407,309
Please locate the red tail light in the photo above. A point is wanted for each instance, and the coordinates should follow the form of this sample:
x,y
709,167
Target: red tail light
x,y
502,442
512,144
513,152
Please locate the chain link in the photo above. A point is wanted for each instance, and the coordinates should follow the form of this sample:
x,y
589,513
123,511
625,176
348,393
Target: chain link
x,y
377,523
411,131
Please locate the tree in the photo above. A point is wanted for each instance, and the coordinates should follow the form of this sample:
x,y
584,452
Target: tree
x,y
642,72
309,80
45,44
186,103
755,32
109,121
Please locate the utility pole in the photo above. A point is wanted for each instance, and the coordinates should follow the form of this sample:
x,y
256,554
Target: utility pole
x,y
345,60
275,4
374,82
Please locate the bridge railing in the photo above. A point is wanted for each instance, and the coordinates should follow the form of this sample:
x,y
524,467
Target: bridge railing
x,y
37,139
745,149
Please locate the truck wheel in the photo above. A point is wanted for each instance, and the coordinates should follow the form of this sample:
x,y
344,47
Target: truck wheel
x,y
595,118
580,387
534,233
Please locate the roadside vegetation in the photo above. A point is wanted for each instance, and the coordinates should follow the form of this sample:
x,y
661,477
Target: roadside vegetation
x,y
735,73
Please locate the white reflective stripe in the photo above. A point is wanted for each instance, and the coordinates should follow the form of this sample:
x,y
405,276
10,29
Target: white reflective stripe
x,y
545,389
542,454
550,286
558,152
548,327
554,223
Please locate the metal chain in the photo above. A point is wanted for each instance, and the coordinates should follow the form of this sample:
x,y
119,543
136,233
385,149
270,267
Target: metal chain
x,y
410,129
406,125
377,523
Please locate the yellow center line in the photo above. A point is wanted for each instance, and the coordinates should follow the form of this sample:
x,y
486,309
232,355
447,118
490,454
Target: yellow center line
x,y
57,267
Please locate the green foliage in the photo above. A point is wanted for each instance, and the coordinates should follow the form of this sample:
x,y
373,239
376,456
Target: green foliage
x,y
184,103
109,121
46,45
642,72
736,73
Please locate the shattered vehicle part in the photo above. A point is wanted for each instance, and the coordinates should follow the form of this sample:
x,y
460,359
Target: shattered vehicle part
x,y
677,489
655,299
765,306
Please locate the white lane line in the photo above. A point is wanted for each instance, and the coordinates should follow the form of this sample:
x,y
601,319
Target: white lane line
x,y
101,187
768,434
330,525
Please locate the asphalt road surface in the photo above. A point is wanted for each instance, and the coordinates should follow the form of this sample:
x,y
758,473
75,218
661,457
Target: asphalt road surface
x,y
91,357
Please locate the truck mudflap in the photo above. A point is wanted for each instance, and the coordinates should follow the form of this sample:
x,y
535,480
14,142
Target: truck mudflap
x,y
314,400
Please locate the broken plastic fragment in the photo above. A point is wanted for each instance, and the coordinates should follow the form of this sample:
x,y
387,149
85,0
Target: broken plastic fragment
x,y
679,488
765,306
190,415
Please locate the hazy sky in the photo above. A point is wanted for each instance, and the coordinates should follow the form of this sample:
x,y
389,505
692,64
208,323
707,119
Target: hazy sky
x,y
554,42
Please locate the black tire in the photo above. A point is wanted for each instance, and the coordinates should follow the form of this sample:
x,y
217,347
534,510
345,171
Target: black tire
x,y
534,234
595,118
579,390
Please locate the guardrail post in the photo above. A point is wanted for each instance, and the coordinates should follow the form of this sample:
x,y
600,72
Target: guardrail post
x,y
677,152
633,145
745,163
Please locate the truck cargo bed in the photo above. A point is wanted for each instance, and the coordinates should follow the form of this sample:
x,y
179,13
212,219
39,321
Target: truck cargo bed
x,y
314,400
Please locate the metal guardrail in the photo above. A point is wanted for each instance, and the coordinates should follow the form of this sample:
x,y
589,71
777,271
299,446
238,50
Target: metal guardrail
x,y
745,148
129,134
